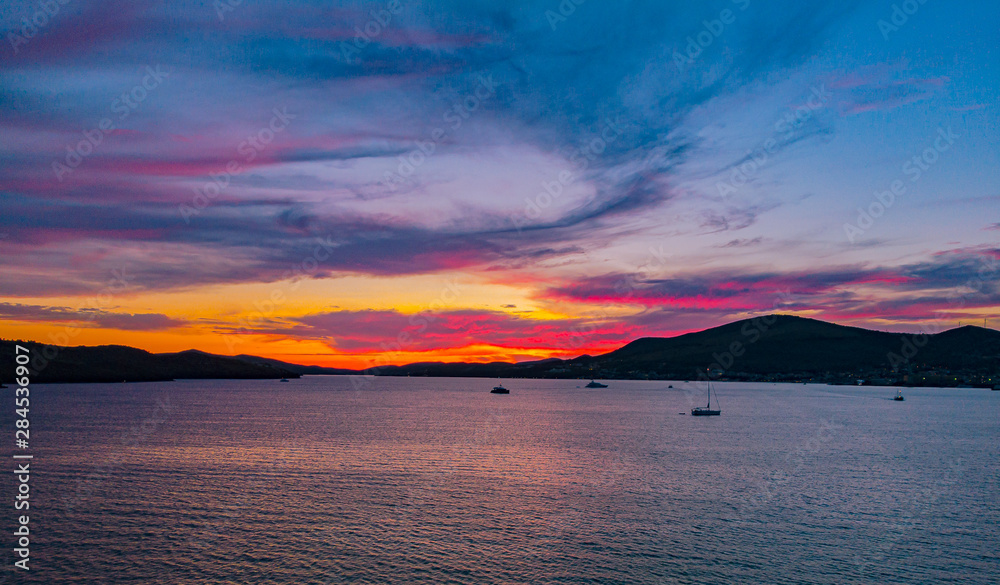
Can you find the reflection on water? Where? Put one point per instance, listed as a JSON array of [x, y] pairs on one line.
[[437, 481]]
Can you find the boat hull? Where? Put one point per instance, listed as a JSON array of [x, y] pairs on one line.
[[705, 412], [499, 391]]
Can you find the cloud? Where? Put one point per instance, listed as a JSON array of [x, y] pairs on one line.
[[734, 217], [848, 291], [743, 242], [859, 95], [313, 201], [393, 331], [89, 317]]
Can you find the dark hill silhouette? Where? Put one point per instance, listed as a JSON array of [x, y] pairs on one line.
[[964, 347], [115, 363], [772, 347], [301, 370], [768, 347], [774, 343]]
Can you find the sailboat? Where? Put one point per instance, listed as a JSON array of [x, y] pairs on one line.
[[899, 395], [706, 410]]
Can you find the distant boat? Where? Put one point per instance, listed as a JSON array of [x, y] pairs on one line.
[[594, 384], [284, 380], [499, 389], [706, 410], [899, 395]]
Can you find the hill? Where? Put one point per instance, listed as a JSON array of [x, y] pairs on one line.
[[772, 348], [767, 348], [295, 368], [770, 344], [115, 363], [783, 344]]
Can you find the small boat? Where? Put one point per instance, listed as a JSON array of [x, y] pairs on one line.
[[899, 395], [707, 410], [499, 389], [284, 380], [670, 386], [594, 384]]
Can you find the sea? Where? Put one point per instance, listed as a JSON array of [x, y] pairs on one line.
[[331, 479]]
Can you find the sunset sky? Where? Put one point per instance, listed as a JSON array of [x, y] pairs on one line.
[[414, 181]]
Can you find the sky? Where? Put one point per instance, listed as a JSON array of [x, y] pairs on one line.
[[359, 183]]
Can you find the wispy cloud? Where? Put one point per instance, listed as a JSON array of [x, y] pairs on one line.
[[589, 146], [89, 317]]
